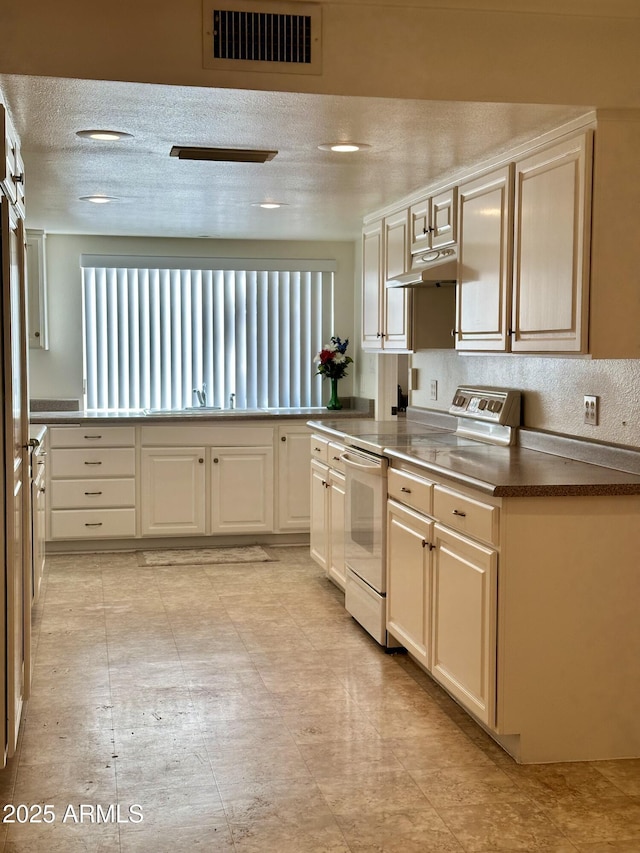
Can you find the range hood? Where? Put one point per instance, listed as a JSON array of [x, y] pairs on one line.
[[434, 267]]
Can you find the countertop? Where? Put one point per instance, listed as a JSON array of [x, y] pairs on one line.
[[517, 471], [187, 416]]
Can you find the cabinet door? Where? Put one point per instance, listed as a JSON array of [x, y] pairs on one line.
[[464, 617], [336, 563], [173, 491], [319, 513], [551, 251], [242, 489], [444, 216], [396, 300], [293, 478], [485, 226], [419, 224], [409, 538], [372, 305]]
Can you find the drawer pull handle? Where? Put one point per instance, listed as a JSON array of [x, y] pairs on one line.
[[93, 493], [405, 489], [93, 524], [337, 458], [93, 436], [316, 449], [93, 463], [459, 512]]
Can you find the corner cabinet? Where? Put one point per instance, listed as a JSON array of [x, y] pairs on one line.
[[386, 312]]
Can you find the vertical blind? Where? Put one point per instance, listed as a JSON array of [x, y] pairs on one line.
[[153, 333]]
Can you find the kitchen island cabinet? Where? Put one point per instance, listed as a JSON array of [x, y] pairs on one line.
[[533, 624]]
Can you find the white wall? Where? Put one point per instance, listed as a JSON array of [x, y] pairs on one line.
[[58, 371], [553, 389]]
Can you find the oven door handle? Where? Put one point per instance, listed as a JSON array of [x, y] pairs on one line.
[[372, 467]]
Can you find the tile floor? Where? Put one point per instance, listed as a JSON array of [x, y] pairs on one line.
[[238, 708]]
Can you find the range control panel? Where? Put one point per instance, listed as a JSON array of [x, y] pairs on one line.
[[494, 405]]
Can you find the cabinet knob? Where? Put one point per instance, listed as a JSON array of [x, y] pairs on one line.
[[459, 512], [405, 489], [18, 179], [428, 545], [283, 438]]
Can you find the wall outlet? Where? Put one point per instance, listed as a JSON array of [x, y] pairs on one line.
[[591, 409], [434, 389]]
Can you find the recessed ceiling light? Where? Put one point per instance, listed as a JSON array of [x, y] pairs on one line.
[[104, 135], [268, 205], [98, 199], [343, 147]]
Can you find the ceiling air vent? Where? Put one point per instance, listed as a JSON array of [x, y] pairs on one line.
[[223, 155], [249, 35]]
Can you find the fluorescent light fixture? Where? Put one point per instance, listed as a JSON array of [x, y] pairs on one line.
[[104, 135], [98, 199], [343, 147], [268, 205]]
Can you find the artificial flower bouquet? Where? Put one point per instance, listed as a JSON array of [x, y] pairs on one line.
[[332, 360]]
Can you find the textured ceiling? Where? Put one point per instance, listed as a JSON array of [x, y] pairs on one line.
[[413, 143]]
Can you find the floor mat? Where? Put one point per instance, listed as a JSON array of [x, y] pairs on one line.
[[204, 556]]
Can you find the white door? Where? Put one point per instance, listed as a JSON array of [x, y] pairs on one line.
[[464, 621], [173, 491], [409, 544], [242, 489], [294, 507]]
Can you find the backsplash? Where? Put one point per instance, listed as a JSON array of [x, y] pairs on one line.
[[552, 388]]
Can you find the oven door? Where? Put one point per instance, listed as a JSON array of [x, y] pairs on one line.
[[365, 528]]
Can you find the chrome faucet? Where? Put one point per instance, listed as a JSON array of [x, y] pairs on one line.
[[201, 394], [232, 401]]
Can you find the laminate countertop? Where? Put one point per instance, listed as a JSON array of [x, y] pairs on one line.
[[540, 465]]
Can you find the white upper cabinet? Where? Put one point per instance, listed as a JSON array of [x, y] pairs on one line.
[[551, 248], [484, 261], [433, 221], [385, 311]]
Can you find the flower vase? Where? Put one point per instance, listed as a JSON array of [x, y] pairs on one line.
[[334, 402]]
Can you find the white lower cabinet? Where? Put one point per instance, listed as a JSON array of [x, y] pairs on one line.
[[463, 611], [442, 586], [292, 448], [172, 491], [91, 482], [409, 546], [327, 508], [242, 490], [165, 480]]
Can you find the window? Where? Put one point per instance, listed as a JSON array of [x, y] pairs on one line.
[[156, 329]]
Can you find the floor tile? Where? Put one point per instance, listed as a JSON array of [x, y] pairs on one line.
[[242, 709]]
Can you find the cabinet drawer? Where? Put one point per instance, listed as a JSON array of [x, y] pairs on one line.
[[92, 436], [93, 524], [410, 490], [334, 452], [469, 516], [85, 494], [101, 462], [319, 448]]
